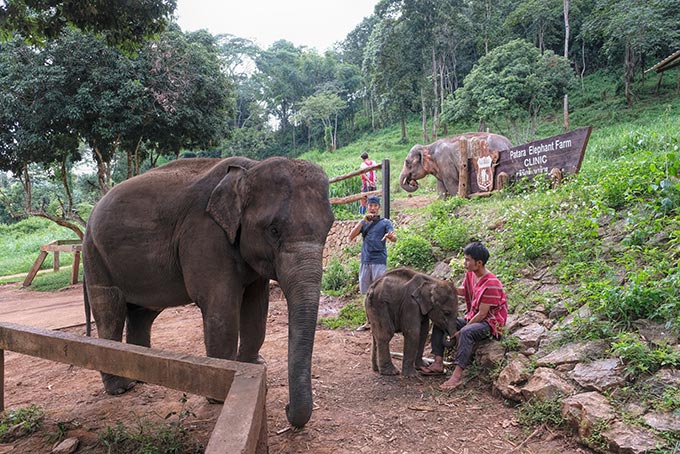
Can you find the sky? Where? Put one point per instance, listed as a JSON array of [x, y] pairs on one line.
[[316, 24]]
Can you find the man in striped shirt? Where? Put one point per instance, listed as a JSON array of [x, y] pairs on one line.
[[487, 312]]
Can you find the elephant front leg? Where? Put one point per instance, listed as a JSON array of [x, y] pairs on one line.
[[411, 346], [253, 324], [424, 331], [374, 355]]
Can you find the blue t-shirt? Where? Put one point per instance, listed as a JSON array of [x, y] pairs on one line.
[[374, 249]]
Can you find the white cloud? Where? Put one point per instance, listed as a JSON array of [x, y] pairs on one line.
[[312, 23]]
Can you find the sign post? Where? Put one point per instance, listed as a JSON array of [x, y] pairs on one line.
[[555, 156]]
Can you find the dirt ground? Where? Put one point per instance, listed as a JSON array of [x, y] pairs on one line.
[[356, 410]]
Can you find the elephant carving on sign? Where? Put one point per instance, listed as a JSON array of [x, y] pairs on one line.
[[404, 300], [213, 232], [442, 159]]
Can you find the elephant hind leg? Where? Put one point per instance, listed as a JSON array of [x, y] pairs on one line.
[[139, 321], [110, 311]]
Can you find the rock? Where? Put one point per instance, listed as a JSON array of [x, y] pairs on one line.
[[523, 320], [68, 446], [573, 353], [584, 411], [559, 310], [546, 384], [442, 270], [655, 333], [530, 335], [509, 381], [489, 353], [598, 375], [664, 377], [583, 313], [630, 439], [667, 422]]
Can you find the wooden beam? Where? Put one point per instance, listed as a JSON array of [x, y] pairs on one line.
[[242, 424], [34, 269], [354, 174], [209, 377], [354, 197]]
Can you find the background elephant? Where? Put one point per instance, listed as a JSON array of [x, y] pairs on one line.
[[404, 300], [213, 232], [442, 159]]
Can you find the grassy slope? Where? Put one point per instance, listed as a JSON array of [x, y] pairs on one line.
[[609, 238]]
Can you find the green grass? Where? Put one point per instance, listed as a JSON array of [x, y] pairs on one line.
[[19, 422], [20, 244]]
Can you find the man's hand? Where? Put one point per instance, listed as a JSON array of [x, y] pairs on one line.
[[390, 236]]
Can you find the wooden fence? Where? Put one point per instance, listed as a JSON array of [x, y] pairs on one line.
[[242, 424], [384, 192], [56, 247]]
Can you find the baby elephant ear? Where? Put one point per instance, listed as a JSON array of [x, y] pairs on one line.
[[226, 201], [421, 293]]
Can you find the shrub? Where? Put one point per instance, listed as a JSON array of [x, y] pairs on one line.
[[335, 277], [535, 412], [20, 422], [351, 315], [639, 358], [412, 251]]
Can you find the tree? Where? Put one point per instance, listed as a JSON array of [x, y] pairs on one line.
[[510, 88], [122, 23], [632, 29], [324, 107]]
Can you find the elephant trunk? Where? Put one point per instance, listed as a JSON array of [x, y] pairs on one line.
[[407, 182], [300, 280]]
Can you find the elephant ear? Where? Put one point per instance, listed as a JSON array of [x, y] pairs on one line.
[[421, 293], [427, 162], [227, 200]]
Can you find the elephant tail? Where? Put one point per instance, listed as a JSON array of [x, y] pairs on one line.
[[88, 313]]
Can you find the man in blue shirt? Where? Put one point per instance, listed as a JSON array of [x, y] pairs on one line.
[[374, 230]]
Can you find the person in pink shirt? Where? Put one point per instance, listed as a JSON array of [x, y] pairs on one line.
[[367, 180], [487, 312]]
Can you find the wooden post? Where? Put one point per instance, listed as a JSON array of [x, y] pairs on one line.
[[34, 269], [74, 269], [2, 380], [386, 187], [463, 172], [56, 261]]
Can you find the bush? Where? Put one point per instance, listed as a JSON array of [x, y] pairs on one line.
[[351, 315], [338, 278], [412, 251], [639, 358], [20, 422]]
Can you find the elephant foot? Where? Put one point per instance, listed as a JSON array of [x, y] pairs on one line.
[[389, 371], [253, 360], [410, 373], [115, 385]]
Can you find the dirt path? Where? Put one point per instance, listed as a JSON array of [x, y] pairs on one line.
[[355, 409]]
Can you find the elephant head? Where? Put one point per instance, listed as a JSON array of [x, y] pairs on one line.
[[438, 300], [278, 215], [442, 160]]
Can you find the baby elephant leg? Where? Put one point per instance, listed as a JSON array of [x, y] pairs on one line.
[[385, 365]]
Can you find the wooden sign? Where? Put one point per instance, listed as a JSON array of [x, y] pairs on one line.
[[556, 156]]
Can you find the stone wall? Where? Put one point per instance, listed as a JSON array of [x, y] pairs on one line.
[[338, 239]]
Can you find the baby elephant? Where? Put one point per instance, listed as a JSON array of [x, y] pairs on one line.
[[404, 300]]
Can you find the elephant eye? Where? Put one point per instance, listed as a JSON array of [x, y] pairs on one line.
[[274, 231]]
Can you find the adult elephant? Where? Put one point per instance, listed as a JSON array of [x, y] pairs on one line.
[[442, 159], [213, 232]]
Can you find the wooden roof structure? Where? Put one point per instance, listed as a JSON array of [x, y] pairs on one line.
[[667, 63]]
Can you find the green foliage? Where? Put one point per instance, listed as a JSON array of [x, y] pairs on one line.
[[20, 422], [639, 358], [535, 412], [596, 439], [339, 279], [351, 315], [669, 401], [444, 229], [20, 244], [411, 250], [151, 437]]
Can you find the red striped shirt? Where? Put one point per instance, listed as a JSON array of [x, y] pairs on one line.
[[487, 290]]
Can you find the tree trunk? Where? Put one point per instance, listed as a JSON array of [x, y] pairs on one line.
[[566, 56], [423, 107], [435, 88], [629, 72], [403, 128]]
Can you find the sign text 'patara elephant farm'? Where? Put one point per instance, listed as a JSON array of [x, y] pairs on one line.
[[555, 156]]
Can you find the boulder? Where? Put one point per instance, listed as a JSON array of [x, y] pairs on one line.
[[629, 439], [489, 353], [442, 270], [598, 375], [546, 384], [68, 446], [584, 411], [655, 333], [512, 377], [530, 336], [667, 422], [572, 353]]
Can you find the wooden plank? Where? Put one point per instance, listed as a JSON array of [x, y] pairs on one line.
[[55, 266], [564, 152], [34, 269], [2, 380], [463, 174], [354, 174], [61, 248], [354, 197], [210, 377], [241, 426]]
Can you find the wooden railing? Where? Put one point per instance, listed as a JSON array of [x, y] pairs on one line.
[[242, 424], [384, 192], [56, 247]]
